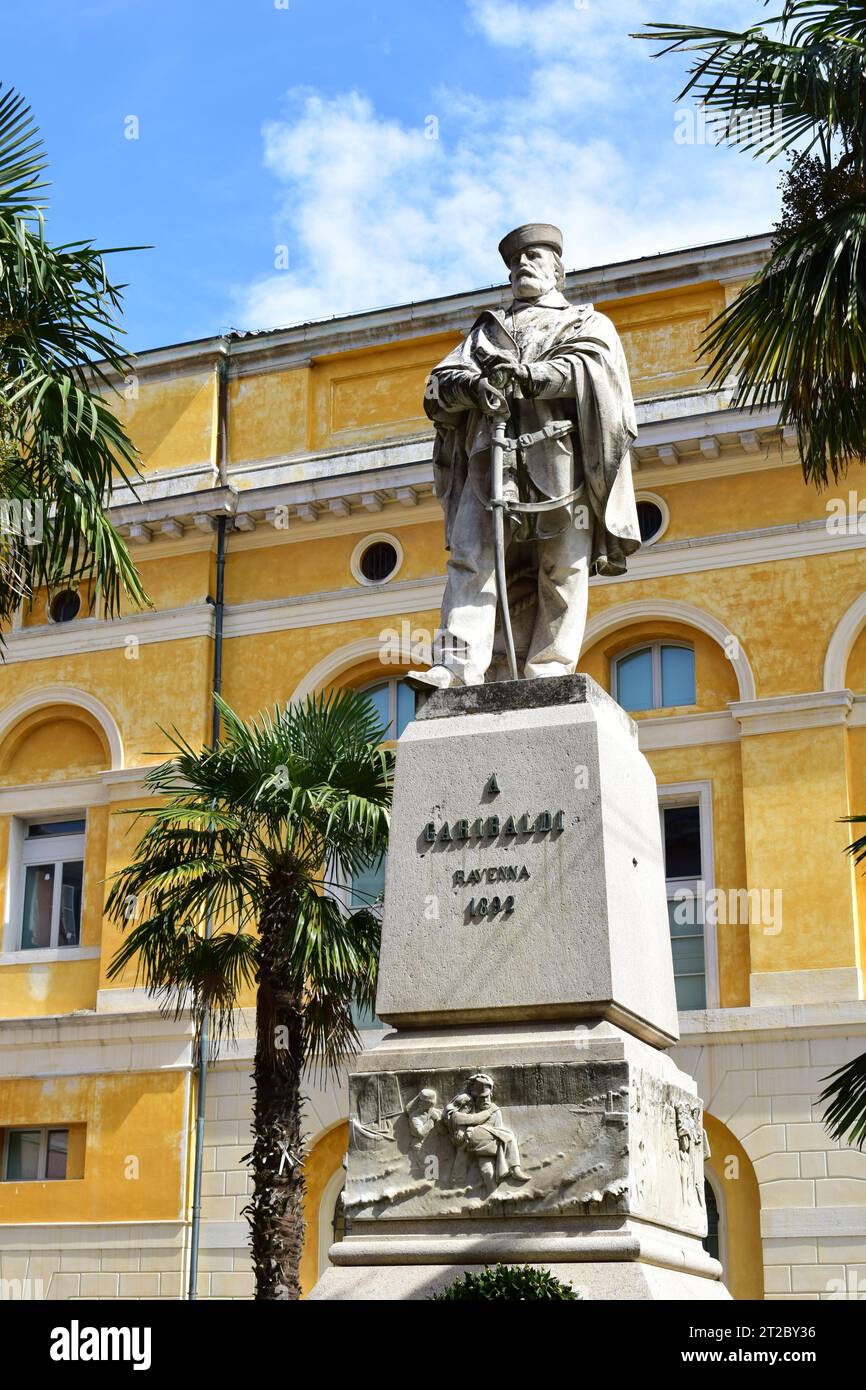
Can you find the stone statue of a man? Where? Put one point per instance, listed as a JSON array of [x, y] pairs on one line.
[[557, 373]]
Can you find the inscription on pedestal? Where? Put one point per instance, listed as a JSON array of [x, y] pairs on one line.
[[496, 831], [525, 875]]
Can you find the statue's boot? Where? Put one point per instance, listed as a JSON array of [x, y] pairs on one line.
[[437, 678], [518, 1175]]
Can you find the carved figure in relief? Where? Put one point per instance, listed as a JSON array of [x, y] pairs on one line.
[[692, 1148], [475, 1127], [422, 1115]]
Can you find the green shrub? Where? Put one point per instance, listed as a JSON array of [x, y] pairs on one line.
[[517, 1282]]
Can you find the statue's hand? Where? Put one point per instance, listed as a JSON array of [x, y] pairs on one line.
[[514, 378], [491, 400]]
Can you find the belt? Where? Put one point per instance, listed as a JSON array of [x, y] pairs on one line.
[[554, 429], [553, 504]]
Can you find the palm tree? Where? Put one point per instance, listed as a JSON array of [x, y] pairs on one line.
[[253, 837], [62, 450], [796, 335], [795, 85], [845, 1093]]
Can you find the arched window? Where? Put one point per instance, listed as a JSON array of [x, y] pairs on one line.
[[683, 851], [715, 1242], [332, 1224], [365, 890], [394, 703], [711, 1241], [656, 676]]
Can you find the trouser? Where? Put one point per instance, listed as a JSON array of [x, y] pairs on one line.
[[469, 606]]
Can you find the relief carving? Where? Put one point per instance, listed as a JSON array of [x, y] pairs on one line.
[[476, 1130], [693, 1149], [547, 1138]]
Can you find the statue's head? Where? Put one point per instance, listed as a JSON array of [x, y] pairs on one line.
[[480, 1086], [533, 254]]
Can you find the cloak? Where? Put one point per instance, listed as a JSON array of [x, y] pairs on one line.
[[595, 398]]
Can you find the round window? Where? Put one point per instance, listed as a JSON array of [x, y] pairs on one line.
[[65, 606], [378, 562], [650, 520]]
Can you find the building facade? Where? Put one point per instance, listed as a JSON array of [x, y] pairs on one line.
[[737, 640]]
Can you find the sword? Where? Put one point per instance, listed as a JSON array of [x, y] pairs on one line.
[[497, 502]]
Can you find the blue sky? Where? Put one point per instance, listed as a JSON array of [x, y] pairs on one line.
[[300, 158]]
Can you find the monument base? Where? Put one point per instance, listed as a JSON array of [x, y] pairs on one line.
[[525, 1111], [602, 1280], [608, 1192]]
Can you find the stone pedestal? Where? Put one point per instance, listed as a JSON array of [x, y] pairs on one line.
[[524, 1110]]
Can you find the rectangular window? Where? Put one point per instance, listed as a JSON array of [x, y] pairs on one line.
[[35, 1155], [681, 834], [52, 861]]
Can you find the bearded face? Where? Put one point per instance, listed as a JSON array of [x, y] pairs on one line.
[[533, 272]]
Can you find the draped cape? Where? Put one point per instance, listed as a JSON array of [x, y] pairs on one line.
[[596, 399]]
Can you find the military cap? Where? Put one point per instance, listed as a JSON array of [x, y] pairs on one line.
[[530, 234]]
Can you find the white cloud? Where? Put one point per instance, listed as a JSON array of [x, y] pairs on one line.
[[374, 212], [580, 32]]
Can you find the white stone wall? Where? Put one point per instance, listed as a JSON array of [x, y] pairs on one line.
[[148, 1260], [759, 1071], [812, 1190], [225, 1269], [120, 1260]]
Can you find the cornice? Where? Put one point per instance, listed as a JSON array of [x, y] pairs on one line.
[[98, 634], [783, 713], [352, 604], [772, 1023], [298, 344], [676, 443]]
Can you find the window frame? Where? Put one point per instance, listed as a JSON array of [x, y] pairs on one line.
[[373, 538], [342, 888], [698, 794], [392, 683], [57, 850], [43, 1131], [13, 916], [657, 501], [655, 648]]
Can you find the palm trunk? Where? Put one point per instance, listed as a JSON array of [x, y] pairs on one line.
[[275, 1211]]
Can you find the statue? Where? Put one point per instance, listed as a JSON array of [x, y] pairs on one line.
[[474, 1125], [534, 420]]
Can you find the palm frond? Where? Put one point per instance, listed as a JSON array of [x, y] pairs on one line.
[[802, 70], [796, 336], [857, 848], [61, 445], [845, 1098], [22, 157], [239, 838], [185, 970]]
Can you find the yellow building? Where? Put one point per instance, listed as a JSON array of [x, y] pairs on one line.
[[737, 639]]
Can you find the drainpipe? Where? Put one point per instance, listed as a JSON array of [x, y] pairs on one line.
[[219, 609]]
